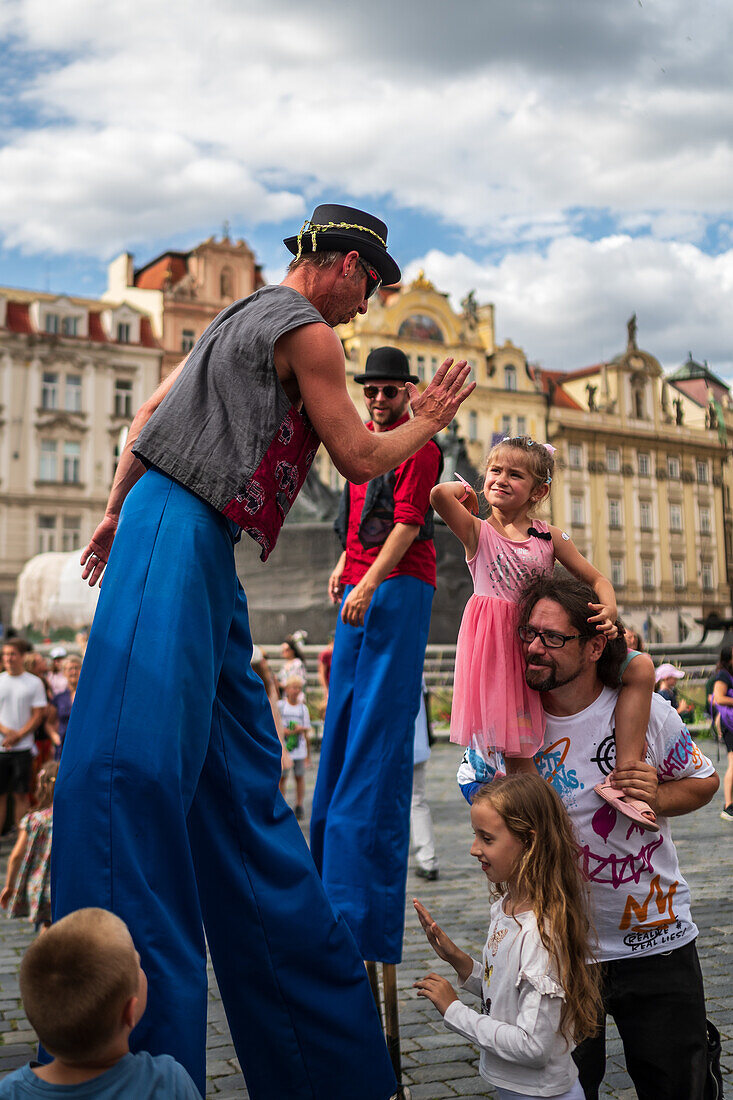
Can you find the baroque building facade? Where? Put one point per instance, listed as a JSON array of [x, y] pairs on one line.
[[72, 373], [418, 318], [643, 481], [182, 292]]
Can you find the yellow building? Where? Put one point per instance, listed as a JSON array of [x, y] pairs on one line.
[[420, 320]]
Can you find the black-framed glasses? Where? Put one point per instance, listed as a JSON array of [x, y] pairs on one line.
[[390, 391], [374, 279], [550, 639]]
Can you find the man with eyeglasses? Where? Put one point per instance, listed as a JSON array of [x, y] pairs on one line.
[[167, 809], [384, 582], [640, 903]]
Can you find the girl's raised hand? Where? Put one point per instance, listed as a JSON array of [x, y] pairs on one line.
[[443, 945], [605, 617], [438, 990]]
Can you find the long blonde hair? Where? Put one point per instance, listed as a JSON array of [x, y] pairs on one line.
[[548, 875]]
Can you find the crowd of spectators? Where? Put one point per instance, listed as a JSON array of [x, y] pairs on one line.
[[36, 695]]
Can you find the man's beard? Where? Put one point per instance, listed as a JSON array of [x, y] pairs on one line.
[[388, 417], [545, 678]]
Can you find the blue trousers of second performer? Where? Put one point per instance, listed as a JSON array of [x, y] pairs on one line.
[[360, 822], [168, 813]]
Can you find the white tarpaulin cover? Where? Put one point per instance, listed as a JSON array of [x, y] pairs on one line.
[[52, 594]]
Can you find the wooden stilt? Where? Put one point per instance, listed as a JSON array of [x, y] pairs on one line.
[[371, 969], [392, 1023]]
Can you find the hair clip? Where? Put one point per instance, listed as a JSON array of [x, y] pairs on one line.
[[548, 480]]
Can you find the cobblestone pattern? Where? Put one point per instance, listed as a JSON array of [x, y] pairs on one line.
[[437, 1063]]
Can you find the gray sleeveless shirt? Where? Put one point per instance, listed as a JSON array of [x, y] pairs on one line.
[[226, 429]]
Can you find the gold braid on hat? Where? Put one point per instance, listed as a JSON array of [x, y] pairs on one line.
[[309, 227]]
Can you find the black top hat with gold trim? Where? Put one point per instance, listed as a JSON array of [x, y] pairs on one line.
[[344, 229]]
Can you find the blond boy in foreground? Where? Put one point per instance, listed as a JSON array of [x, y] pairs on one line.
[[84, 991]]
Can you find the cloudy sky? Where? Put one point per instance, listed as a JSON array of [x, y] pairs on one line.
[[571, 160]]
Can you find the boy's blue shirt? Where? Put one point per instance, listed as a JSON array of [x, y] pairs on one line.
[[139, 1075]]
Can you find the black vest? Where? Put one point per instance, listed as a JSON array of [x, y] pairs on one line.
[[377, 515]]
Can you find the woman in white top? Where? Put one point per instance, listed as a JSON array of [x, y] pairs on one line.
[[538, 995]]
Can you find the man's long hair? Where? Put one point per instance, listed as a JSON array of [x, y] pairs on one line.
[[573, 596]]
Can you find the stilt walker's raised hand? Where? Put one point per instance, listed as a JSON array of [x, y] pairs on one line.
[[441, 400]]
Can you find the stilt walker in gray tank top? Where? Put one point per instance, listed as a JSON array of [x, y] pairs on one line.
[[167, 809]]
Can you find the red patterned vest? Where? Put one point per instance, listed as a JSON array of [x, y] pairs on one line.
[[226, 429]]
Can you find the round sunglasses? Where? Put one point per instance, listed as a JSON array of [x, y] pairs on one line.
[[389, 391]]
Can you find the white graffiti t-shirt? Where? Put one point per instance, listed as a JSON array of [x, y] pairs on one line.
[[640, 901]]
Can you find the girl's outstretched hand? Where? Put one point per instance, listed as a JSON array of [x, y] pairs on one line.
[[438, 990], [443, 945], [605, 617]]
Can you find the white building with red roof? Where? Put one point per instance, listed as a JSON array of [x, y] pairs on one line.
[[72, 373]]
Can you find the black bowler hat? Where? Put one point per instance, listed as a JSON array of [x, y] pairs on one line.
[[388, 363], [345, 229]]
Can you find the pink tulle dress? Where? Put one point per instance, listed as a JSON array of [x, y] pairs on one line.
[[492, 705]]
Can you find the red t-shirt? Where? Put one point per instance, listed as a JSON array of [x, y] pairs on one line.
[[414, 478]]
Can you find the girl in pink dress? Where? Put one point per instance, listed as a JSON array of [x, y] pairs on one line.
[[493, 708]]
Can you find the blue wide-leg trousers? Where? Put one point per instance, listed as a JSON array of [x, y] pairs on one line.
[[360, 821], [168, 813]]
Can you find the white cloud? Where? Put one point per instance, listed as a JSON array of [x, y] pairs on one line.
[[568, 307], [501, 120], [111, 187]]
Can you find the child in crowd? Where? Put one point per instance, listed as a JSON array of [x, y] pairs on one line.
[[83, 992], [667, 677], [27, 891], [493, 708], [294, 659], [538, 994], [296, 726]]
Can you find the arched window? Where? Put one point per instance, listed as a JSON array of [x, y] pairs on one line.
[[510, 377], [418, 326]]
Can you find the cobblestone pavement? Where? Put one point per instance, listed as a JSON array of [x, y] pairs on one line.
[[436, 1062]]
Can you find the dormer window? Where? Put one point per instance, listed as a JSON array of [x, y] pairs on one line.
[[70, 326], [510, 378], [51, 324], [123, 332], [638, 398], [226, 283]]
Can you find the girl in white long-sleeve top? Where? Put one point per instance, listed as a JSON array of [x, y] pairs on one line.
[[538, 994]]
